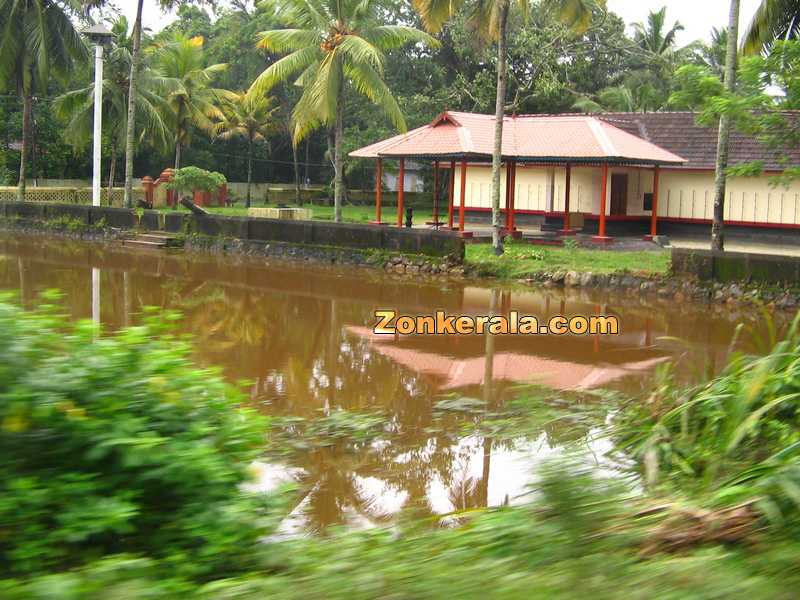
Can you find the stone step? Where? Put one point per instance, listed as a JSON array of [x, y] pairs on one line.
[[137, 243]]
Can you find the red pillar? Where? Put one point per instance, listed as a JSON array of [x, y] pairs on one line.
[[401, 192], [512, 226], [463, 196], [435, 222], [567, 230], [378, 191], [508, 196], [601, 233], [451, 194], [654, 212]]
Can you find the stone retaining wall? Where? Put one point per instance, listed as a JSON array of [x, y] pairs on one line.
[[314, 233], [725, 267]]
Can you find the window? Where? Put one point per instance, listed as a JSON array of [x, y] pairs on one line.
[[648, 202]]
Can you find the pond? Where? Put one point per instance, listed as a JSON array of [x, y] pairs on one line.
[[300, 335]]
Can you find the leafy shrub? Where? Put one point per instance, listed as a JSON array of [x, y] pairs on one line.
[[190, 179], [115, 444], [736, 436]]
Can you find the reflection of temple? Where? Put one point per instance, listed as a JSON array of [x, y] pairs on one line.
[[507, 366]]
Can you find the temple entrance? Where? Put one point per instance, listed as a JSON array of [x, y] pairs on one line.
[[619, 193]]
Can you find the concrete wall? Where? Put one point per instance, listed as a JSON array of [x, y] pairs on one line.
[[736, 266], [320, 233]]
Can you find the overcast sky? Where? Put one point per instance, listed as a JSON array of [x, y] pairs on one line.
[[697, 16]]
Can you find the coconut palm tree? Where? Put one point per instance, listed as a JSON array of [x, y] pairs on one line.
[[490, 18], [37, 40], [774, 20], [250, 117], [723, 140], [652, 37], [76, 108], [336, 44], [184, 83]]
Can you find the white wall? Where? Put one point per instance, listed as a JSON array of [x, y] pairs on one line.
[[682, 194]]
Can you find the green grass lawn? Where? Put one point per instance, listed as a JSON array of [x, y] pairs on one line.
[[350, 214], [521, 259]]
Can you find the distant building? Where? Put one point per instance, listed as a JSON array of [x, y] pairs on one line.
[[413, 178], [632, 149]]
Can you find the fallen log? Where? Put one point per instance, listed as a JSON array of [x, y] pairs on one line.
[[196, 210]]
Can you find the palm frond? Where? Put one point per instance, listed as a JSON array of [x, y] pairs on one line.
[[284, 40]]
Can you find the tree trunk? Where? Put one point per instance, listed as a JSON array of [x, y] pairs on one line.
[[178, 154], [112, 170], [130, 134], [297, 199], [27, 109], [305, 176], [338, 179], [249, 170], [723, 139], [499, 113]]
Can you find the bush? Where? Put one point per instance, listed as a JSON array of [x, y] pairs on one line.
[[735, 437], [191, 179], [113, 444]]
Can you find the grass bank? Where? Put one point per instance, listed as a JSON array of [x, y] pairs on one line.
[[521, 260], [350, 214]]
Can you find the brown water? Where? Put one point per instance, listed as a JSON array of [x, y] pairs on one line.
[[300, 335]]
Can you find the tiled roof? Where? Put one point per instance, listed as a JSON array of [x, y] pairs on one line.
[[534, 138], [679, 132]]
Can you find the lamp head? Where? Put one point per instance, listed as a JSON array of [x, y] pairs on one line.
[[99, 34]]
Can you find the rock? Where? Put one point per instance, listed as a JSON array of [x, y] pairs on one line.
[[664, 292], [396, 260], [587, 280], [735, 291], [558, 277], [679, 297], [572, 279], [647, 286], [627, 281], [719, 295]]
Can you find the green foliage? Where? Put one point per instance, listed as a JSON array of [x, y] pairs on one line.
[[115, 444], [522, 259], [190, 179], [735, 438]]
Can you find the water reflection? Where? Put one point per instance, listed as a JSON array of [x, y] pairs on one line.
[[301, 336]]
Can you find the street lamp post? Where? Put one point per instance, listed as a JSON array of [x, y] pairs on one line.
[[100, 36]]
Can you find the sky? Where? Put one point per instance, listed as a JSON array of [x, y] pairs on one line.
[[697, 16]]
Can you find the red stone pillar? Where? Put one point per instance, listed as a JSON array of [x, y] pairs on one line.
[[654, 211], [378, 191], [451, 194], [508, 197], [463, 196], [601, 233], [401, 184], [567, 230], [147, 187], [435, 222]]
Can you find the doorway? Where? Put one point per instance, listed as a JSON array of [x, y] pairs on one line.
[[619, 193]]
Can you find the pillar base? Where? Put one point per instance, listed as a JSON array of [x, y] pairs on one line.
[[602, 239], [378, 223], [566, 232], [648, 237], [465, 234]]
